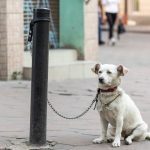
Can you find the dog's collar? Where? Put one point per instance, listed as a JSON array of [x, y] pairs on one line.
[[108, 90], [102, 90]]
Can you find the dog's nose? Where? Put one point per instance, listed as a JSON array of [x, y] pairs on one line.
[[101, 80]]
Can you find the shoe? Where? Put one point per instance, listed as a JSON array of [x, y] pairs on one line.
[[112, 41], [101, 42]]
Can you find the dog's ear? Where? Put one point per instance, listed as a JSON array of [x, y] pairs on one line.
[[96, 68], [122, 70]]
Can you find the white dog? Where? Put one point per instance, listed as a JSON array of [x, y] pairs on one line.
[[119, 115]]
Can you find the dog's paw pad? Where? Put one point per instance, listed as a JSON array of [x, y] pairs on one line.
[[99, 141], [116, 143]]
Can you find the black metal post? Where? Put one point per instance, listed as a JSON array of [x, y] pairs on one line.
[[38, 116]]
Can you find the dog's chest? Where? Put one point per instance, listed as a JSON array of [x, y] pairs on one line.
[[107, 111], [109, 115], [105, 103]]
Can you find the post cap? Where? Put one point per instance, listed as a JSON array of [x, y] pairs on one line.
[[41, 13]]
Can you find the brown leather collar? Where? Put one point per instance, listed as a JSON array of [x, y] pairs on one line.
[[108, 90]]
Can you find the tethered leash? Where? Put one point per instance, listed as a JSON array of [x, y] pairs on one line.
[[95, 100]]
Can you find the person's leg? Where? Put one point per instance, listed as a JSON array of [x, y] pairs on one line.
[[114, 17], [100, 41], [110, 25], [111, 17]]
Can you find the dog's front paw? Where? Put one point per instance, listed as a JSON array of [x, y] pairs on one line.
[[99, 140], [116, 143]]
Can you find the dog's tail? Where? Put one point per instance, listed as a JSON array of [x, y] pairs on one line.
[[148, 136]]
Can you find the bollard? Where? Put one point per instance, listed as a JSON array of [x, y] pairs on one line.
[[38, 116]]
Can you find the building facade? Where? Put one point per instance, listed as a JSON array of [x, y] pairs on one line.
[[11, 38], [137, 10], [140, 12], [139, 7], [73, 24]]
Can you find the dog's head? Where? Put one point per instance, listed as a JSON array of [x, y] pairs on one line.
[[109, 76]]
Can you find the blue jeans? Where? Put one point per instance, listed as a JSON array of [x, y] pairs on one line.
[[99, 28]]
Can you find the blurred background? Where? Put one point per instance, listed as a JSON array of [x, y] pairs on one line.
[[73, 35]]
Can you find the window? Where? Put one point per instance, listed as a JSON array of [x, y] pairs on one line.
[[29, 5]]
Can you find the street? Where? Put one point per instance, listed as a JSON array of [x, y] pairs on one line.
[[71, 97]]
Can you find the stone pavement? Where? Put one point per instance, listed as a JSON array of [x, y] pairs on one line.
[[138, 29], [71, 97]]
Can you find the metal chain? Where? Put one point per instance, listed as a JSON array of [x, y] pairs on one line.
[[75, 117]]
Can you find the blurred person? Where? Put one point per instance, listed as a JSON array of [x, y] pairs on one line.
[[111, 8], [100, 22]]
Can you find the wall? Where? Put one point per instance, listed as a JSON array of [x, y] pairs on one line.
[[11, 38], [3, 40], [91, 30], [72, 25], [145, 7]]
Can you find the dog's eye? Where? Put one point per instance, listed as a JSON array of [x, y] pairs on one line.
[[100, 71], [109, 72]]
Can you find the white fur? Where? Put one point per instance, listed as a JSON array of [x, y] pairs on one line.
[[121, 118]]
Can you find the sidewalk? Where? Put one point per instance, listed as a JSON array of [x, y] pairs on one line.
[[71, 97], [138, 29], [134, 28]]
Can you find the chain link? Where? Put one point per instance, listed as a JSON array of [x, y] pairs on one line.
[[75, 117]]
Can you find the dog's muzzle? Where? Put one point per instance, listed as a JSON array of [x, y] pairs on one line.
[[101, 80]]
